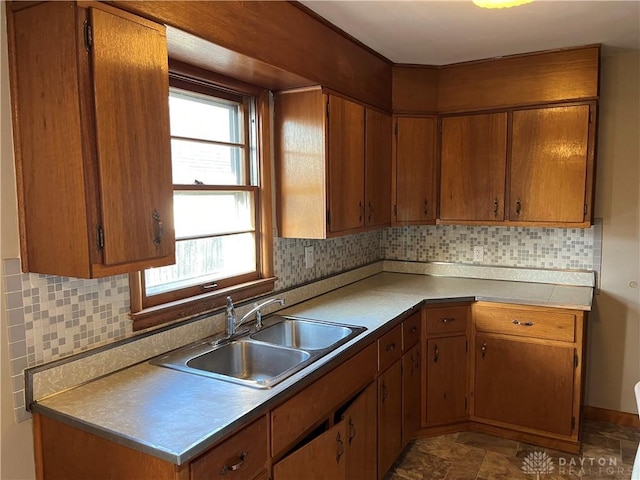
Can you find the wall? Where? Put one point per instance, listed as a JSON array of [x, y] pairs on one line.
[[614, 336]]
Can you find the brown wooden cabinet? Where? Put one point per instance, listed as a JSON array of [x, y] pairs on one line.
[[472, 168], [551, 164], [377, 168], [446, 364], [389, 417], [320, 149], [91, 134], [411, 393], [344, 451], [549, 159], [528, 369], [414, 177]]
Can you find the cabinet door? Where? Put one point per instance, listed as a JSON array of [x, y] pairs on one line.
[[446, 360], [414, 169], [377, 169], [524, 384], [473, 163], [549, 162], [131, 90], [360, 423], [411, 390], [320, 459], [389, 417], [346, 164]]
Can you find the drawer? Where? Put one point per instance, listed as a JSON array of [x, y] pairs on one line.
[[447, 319], [305, 410], [525, 321], [245, 450], [411, 331], [389, 348]]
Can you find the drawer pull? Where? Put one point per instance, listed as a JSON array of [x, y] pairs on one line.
[[483, 349], [232, 468], [448, 320], [523, 324], [436, 354], [340, 448], [391, 347]]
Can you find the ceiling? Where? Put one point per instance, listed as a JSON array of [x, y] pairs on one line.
[[443, 32]]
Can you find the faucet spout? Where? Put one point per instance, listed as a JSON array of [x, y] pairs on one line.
[[256, 310]]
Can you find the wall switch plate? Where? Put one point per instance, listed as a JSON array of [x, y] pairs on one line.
[[478, 253], [309, 261]]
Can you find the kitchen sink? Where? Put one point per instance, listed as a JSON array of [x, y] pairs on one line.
[[264, 359], [253, 362], [306, 334]]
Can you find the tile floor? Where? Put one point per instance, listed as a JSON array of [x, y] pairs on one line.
[[608, 452]]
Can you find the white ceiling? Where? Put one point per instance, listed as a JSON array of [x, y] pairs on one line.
[[442, 32]]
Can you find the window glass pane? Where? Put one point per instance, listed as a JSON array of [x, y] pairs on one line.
[[206, 163], [212, 213], [204, 260], [196, 116]]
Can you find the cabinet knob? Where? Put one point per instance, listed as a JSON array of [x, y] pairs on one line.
[[391, 347]]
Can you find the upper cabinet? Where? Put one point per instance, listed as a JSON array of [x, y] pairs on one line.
[[332, 161], [473, 165], [91, 134], [414, 170], [550, 165]]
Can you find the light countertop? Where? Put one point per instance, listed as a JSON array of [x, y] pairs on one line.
[[176, 416]]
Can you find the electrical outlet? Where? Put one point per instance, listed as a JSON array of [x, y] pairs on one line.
[[309, 261], [478, 253]]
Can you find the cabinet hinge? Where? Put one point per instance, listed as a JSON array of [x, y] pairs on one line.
[[328, 217], [88, 36], [573, 423], [100, 237]]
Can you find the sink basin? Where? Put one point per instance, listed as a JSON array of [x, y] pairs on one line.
[[250, 361], [268, 357], [305, 334]]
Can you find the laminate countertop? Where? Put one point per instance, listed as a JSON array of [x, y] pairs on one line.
[[176, 416]]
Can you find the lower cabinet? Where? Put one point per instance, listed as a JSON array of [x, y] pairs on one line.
[[389, 417], [446, 360], [411, 393], [344, 451]]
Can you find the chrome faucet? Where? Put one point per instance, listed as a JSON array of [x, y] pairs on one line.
[[233, 324]]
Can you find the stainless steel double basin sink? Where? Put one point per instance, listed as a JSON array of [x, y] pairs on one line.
[[265, 357]]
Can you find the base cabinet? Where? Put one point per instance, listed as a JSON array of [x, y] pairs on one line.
[[446, 374], [389, 417], [411, 393]]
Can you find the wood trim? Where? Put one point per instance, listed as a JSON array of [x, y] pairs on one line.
[[192, 72], [266, 194], [180, 309], [37, 446], [611, 416]]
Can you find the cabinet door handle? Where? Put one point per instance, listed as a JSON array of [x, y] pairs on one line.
[[436, 354], [426, 208], [232, 468], [385, 392], [391, 347], [483, 349], [518, 207], [361, 207], [370, 211], [495, 207], [417, 365], [448, 320], [158, 228], [523, 324], [352, 430], [340, 448]]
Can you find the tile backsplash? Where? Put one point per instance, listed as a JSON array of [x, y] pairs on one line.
[[51, 317]]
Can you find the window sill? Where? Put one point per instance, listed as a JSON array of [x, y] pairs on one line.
[[154, 316]]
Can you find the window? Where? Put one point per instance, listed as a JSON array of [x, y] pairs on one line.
[[218, 211]]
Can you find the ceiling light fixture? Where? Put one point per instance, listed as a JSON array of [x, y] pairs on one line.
[[500, 3]]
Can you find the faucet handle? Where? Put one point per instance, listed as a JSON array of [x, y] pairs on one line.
[[231, 311]]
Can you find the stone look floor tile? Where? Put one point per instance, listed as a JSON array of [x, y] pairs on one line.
[[628, 449], [488, 442], [466, 462]]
